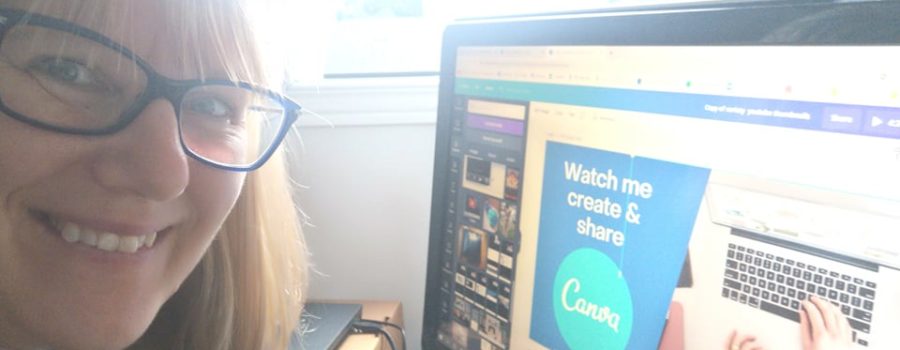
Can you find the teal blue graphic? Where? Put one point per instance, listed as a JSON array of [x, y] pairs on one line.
[[592, 303], [631, 217]]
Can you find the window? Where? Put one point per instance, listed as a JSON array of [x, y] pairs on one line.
[[377, 38], [380, 58]]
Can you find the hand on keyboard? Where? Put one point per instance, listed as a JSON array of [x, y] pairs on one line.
[[742, 342], [823, 327]]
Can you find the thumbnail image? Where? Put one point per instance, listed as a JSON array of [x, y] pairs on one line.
[[473, 206], [469, 292], [503, 310], [493, 256], [472, 247], [493, 267], [491, 215], [493, 330], [461, 310], [513, 184], [478, 170], [484, 176], [507, 261], [491, 297], [505, 293], [508, 221], [460, 334], [476, 316]]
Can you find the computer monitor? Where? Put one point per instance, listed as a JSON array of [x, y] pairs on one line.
[[580, 157]]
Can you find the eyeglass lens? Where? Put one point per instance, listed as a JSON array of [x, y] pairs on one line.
[[68, 81]]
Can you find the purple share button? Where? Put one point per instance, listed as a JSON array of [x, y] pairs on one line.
[[500, 125], [882, 122], [842, 119]]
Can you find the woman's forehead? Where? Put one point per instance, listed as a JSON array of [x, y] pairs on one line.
[[168, 34]]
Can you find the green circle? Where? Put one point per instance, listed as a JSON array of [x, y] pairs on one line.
[[592, 302]]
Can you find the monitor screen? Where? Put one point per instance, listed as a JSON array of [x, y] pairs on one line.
[[576, 177]]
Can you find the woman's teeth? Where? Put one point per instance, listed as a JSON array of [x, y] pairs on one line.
[[106, 241]]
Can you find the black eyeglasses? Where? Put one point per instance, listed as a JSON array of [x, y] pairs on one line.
[[62, 77]]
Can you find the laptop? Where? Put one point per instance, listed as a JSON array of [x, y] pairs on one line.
[[772, 245], [580, 156]]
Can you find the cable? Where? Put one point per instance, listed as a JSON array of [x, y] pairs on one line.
[[402, 331], [364, 327]]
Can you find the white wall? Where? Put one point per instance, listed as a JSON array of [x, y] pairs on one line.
[[367, 190]]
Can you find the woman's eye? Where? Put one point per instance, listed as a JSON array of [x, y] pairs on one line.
[[210, 106], [65, 70]]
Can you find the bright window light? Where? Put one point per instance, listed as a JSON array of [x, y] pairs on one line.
[[382, 38]]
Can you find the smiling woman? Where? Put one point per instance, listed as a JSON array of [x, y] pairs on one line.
[[129, 215]]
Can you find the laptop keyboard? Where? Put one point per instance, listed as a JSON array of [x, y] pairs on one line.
[[777, 285]]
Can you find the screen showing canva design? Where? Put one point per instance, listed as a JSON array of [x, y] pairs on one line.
[[580, 177]]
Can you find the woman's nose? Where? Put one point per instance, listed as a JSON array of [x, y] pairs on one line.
[[146, 158]]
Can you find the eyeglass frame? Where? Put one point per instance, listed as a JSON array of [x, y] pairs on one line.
[[158, 86]]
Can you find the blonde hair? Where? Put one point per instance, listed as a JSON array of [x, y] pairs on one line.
[[247, 290]]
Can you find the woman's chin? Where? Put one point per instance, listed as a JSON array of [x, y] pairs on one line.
[[107, 328]]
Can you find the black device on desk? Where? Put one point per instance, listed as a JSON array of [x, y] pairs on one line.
[[579, 155], [324, 326]]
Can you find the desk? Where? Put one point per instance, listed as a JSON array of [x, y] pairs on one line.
[[385, 311]]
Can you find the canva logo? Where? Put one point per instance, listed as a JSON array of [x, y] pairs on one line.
[[592, 302], [599, 313]]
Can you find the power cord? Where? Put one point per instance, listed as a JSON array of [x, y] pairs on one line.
[[361, 327], [373, 326], [402, 331]]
